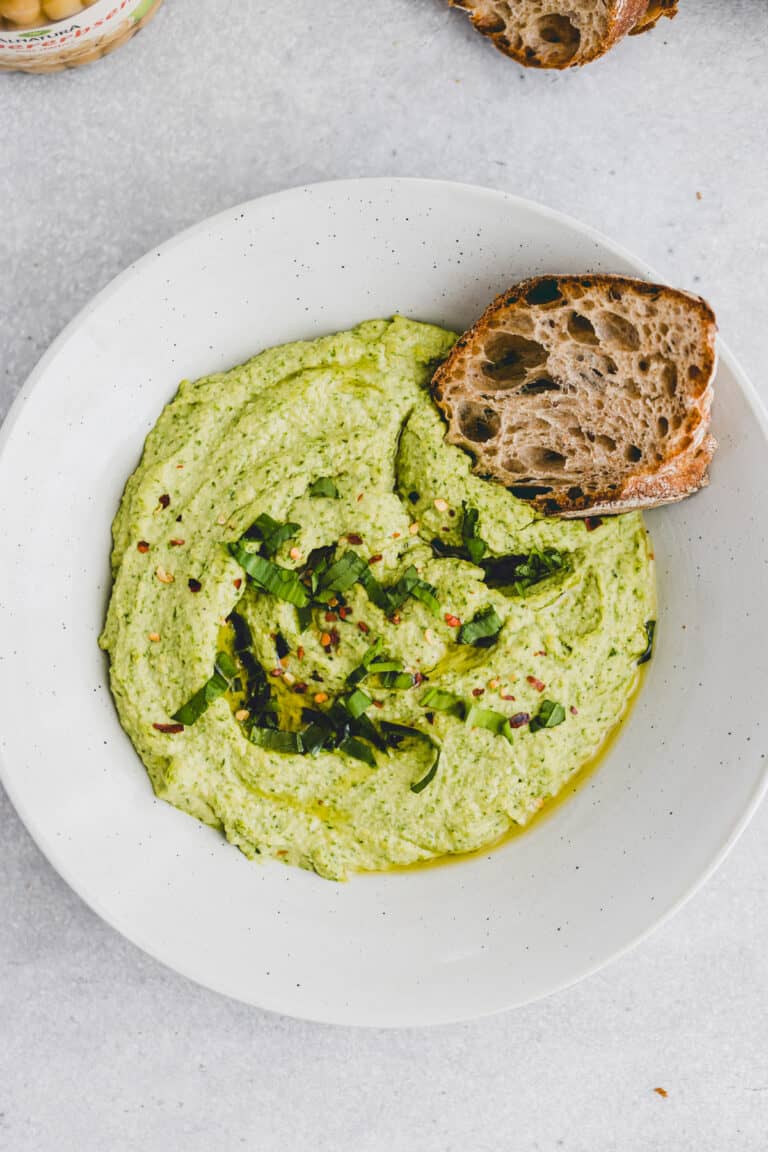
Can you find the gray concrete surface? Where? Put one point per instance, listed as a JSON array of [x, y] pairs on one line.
[[664, 146]]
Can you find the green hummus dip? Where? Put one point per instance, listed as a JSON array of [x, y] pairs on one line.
[[451, 658]]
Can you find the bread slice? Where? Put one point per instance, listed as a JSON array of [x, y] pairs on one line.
[[585, 394], [561, 33]]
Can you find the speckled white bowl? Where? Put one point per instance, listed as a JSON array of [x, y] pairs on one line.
[[412, 948]]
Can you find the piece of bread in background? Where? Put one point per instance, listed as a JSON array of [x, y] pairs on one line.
[[585, 394], [561, 33]]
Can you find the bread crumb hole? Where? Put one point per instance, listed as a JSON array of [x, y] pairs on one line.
[[581, 329], [632, 453], [669, 378], [662, 426], [561, 38], [478, 422], [545, 292], [617, 330], [511, 357]]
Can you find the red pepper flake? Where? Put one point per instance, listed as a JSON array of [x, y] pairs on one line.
[[541, 652], [169, 729], [325, 639], [176, 543], [142, 546], [573, 711], [330, 617], [418, 678], [194, 585], [520, 719], [164, 501], [592, 522], [395, 617], [300, 687], [378, 703], [503, 697], [299, 653], [478, 691], [360, 497], [277, 672], [395, 535], [661, 1092], [452, 621], [534, 681], [375, 558], [345, 611], [353, 538], [335, 638], [238, 583], [363, 626]]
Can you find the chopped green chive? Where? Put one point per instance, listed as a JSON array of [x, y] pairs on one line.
[[282, 583], [482, 630], [520, 572], [491, 721], [442, 701], [357, 702], [360, 751], [277, 741], [398, 680], [324, 486], [223, 676], [549, 715], [395, 734], [650, 629], [341, 575], [476, 547], [270, 533]]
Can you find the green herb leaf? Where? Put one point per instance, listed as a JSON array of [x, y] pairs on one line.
[[491, 721], [482, 630], [304, 617], [357, 702], [324, 486], [549, 715], [341, 575], [476, 547], [277, 741], [441, 701], [359, 673], [520, 572], [650, 629], [360, 751], [376, 592], [283, 583], [386, 664], [427, 594], [396, 734], [270, 532], [399, 680], [223, 675]]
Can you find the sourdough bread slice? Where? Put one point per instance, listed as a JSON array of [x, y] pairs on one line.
[[561, 33], [585, 394]]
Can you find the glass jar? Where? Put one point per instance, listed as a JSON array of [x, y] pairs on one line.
[[48, 35]]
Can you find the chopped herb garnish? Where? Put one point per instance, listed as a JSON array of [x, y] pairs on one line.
[[357, 702], [324, 486], [427, 594], [491, 721], [482, 630], [224, 674], [476, 547], [442, 701], [283, 583], [650, 629], [304, 616], [270, 533], [341, 575], [398, 680], [549, 715], [395, 734], [276, 740], [360, 751], [520, 572], [359, 673]]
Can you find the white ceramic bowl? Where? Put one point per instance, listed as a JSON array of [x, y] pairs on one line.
[[439, 944]]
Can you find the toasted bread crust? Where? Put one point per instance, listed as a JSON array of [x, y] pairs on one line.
[[624, 16], [678, 461]]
